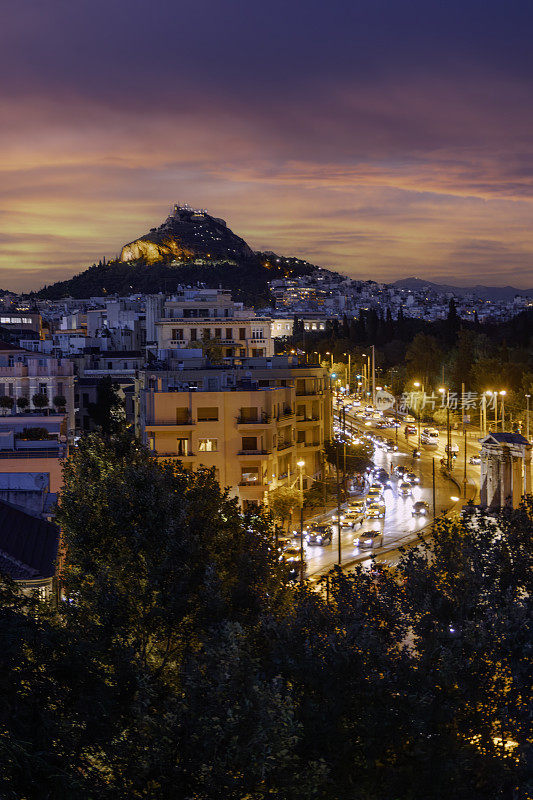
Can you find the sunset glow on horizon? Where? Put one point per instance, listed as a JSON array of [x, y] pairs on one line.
[[381, 139]]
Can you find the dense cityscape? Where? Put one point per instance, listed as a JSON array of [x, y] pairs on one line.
[[266, 503]]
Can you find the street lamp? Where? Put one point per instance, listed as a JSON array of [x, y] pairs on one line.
[[419, 410], [502, 395], [301, 465], [349, 371], [445, 391], [527, 416]]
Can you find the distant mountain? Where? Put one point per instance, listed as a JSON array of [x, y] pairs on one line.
[[190, 246], [483, 292]]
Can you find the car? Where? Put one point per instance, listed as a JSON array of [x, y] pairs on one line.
[[399, 471], [420, 509], [454, 448], [375, 509], [292, 557], [405, 489], [376, 485], [368, 540], [373, 495], [430, 436], [354, 517], [476, 460], [409, 418], [319, 534], [411, 477], [357, 505], [391, 445], [409, 429]]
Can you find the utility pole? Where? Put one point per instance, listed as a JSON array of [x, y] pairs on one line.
[[464, 472], [373, 375], [339, 561], [301, 465], [448, 436], [434, 492]]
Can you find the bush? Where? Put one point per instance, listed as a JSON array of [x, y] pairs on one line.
[[22, 403], [40, 400], [6, 402], [59, 401], [34, 434]]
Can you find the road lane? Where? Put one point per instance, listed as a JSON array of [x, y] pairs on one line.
[[399, 525]]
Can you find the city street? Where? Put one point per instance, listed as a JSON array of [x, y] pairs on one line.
[[399, 526]]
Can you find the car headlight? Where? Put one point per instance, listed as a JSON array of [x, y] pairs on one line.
[[319, 539], [422, 510], [368, 541]]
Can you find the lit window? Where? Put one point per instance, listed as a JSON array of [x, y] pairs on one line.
[[207, 445]]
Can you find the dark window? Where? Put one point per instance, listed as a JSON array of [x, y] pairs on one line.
[[194, 333], [229, 333], [249, 442], [242, 333], [208, 414]]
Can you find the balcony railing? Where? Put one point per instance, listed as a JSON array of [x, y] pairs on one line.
[[257, 484], [303, 418], [263, 419], [308, 392], [285, 445], [309, 444], [254, 452]]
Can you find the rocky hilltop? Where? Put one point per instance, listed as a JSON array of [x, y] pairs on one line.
[[188, 235], [190, 246]]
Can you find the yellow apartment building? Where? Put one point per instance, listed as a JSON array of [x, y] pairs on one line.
[[253, 429]]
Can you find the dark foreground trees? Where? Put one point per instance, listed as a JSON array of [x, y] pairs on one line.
[[184, 665]]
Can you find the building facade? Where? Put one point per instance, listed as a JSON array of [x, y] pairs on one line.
[[252, 423]]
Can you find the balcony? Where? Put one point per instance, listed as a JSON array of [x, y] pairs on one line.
[[309, 444], [254, 452], [262, 419], [285, 445], [308, 392], [253, 484], [168, 423], [303, 419]]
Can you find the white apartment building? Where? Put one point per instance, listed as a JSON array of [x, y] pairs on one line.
[[25, 374], [201, 315]]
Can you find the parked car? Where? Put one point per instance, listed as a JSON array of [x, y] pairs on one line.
[[420, 509], [319, 534], [476, 460], [368, 539]]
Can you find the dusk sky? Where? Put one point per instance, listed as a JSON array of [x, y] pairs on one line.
[[383, 138]]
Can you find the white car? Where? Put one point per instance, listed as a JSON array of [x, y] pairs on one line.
[[405, 489]]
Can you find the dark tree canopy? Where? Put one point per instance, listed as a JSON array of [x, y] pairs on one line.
[[182, 663]]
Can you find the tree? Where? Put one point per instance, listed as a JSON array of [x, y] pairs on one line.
[[6, 402], [423, 358], [282, 501], [22, 403], [358, 456], [60, 401], [40, 400], [108, 411]]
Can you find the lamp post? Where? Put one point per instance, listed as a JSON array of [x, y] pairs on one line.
[[446, 391], [301, 465], [527, 416], [349, 372], [502, 395], [419, 410]]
